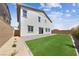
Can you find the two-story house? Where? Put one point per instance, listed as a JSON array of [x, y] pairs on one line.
[[32, 21]]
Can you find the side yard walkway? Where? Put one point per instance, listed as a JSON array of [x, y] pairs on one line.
[[20, 50]]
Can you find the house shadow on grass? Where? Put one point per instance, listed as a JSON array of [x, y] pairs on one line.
[[69, 45]]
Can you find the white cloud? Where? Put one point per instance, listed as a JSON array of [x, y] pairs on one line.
[[68, 15], [60, 21], [54, 5], [42, 4], [57, 19], [73, 4], [48, 6], [55, 15], [46, 9], [73, 10], [67, 11]]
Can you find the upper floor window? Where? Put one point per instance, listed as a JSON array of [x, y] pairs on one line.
[[39, 19], [24, 13]]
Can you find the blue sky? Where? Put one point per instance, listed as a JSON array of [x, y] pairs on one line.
[[63, 15]]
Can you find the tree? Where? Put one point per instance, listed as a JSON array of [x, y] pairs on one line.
[[76, 32]]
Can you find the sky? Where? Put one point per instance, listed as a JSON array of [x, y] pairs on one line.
[[64, 16]]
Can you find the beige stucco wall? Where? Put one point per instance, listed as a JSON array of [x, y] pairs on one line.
[[6, 32]]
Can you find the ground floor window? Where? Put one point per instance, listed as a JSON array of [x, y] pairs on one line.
[[41, 30], [30, 28], [47, 29]]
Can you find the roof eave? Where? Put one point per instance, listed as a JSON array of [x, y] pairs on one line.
[[20, 5]]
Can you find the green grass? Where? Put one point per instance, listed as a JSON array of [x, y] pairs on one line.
[[55, 45]]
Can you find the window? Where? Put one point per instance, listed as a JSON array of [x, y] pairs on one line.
[[39, 19], [49, 30], [24, 13], [30, 28], [45, 21], [46, 29]]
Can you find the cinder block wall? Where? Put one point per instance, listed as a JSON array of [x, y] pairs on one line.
[[6, 32]]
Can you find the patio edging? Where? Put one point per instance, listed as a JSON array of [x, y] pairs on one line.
[[74, 45]]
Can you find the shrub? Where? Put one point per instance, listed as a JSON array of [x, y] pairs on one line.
[[76, 32], [14, 45]]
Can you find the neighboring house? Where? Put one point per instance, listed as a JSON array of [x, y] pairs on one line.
[[56, 31], [32, 21], [6, 31]]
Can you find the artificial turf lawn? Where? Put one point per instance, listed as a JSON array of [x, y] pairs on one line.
[[55, 45]]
